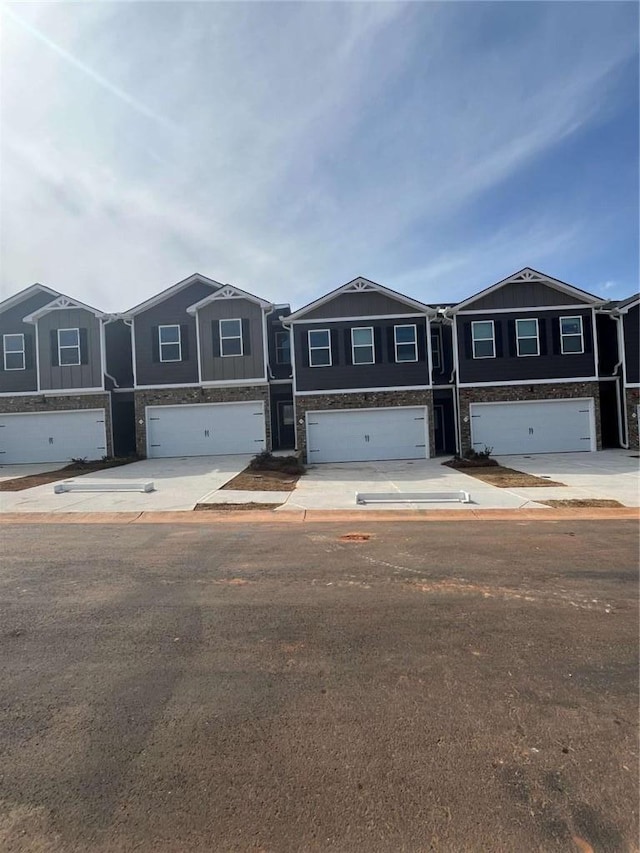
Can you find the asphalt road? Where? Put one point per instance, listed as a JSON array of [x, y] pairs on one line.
[[462, 686]]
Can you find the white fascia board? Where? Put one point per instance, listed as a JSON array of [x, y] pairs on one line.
[[63, 303], [261, 380], [364, 390], [367, 286], [361, 319], [565, 381], [527, 310], [226, 292], [633, 304], [54, 392], [535, 276], [10, 301], [167, 292]]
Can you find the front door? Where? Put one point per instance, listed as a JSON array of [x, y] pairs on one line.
[[286, 431], [438, 428]]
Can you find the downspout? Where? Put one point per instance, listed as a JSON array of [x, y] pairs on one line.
[[104, 343], [620, 399]]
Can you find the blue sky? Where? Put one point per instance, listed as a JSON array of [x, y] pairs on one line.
[[289, 147]]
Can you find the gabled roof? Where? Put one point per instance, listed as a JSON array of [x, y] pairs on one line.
[[529, 275], [169, 291], [624, 306], [360, 285], [227, 291], [25, 294], [62, 303]]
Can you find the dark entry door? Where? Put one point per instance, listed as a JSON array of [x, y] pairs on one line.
[[286, 426]]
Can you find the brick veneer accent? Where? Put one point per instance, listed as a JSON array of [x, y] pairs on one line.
[[363, 400], [177, 396], [61, 403], [633, 400], [511, 393]]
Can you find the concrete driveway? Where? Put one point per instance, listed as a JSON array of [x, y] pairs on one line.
[[179, 485]]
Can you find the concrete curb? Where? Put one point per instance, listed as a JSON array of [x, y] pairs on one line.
[[321, 516]]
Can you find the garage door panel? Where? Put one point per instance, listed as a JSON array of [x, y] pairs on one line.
[[544, 426], [208, 429], [367, 435], [52, 436]]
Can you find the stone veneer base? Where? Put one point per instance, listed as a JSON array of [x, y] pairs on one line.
[[181, 396], [361, 400], [44, 402], [513, 393], [633, 401]]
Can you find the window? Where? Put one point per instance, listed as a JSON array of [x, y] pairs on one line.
[[483, 337], [362, 346], [231, 337], [68, 346], [436, 349], [13, 346], [283, 348], [405, 339], [170, 343], [320, 348], [571, 338], [527, 340]]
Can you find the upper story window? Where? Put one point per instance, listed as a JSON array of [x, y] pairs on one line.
[[319, 348], [170, 343], [483, 337], [527, 337], [283, 348], [571, 336], [436, 349], [231, 338], [362, 345], [68, 346], [405, 340], [13, 347]]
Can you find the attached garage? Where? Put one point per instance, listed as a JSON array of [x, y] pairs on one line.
[[367, 435], [52, 436], [205, 429], [540, 426]]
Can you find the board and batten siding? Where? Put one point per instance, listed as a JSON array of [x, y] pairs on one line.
[[361, 303], [508, 366], [171, 311], [632, 345], [250, 365], [11, 323], [342, 374], [68, 377], [526, 294]]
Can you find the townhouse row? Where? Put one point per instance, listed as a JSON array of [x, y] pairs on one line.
[[527, 365]]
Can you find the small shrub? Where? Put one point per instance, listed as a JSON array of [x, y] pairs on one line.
[[78, 462], [266, 461]]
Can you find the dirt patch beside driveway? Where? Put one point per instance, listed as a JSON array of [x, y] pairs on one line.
[[262, 481], [18, 484], [506, 478]]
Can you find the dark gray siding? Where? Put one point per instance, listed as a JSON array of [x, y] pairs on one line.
[[173, 310], [631, 345], [248, 366], [118, 345], [508, 367], [85, 375], [277, 371], [528, 294], [385, 373], [15, 381], [364, 303], [607, 328]]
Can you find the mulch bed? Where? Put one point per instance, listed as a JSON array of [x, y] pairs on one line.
[[506, 478], [234, 507], [263, 481], [20, 483], [579, 502]]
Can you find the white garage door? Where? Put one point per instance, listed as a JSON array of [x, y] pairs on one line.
[[52, 436], [544, 426], [205, 429], [361, 435]]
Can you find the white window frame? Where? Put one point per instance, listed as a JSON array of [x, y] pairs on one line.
[[371, 346], [69, 346], [437, 333], [564, 335], [170, 343], [478, 340], [528, 337], [413, 343], [6, 352], [287, 337], [224, 338], [324, 347]]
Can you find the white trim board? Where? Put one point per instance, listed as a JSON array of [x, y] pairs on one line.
[[530, 309], [19, 297], [572, 380], [262, 380], [166, 293], [365, 391], [53, 392], [360, 319]]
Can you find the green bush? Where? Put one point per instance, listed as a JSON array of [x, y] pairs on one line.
[[266, 461]]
